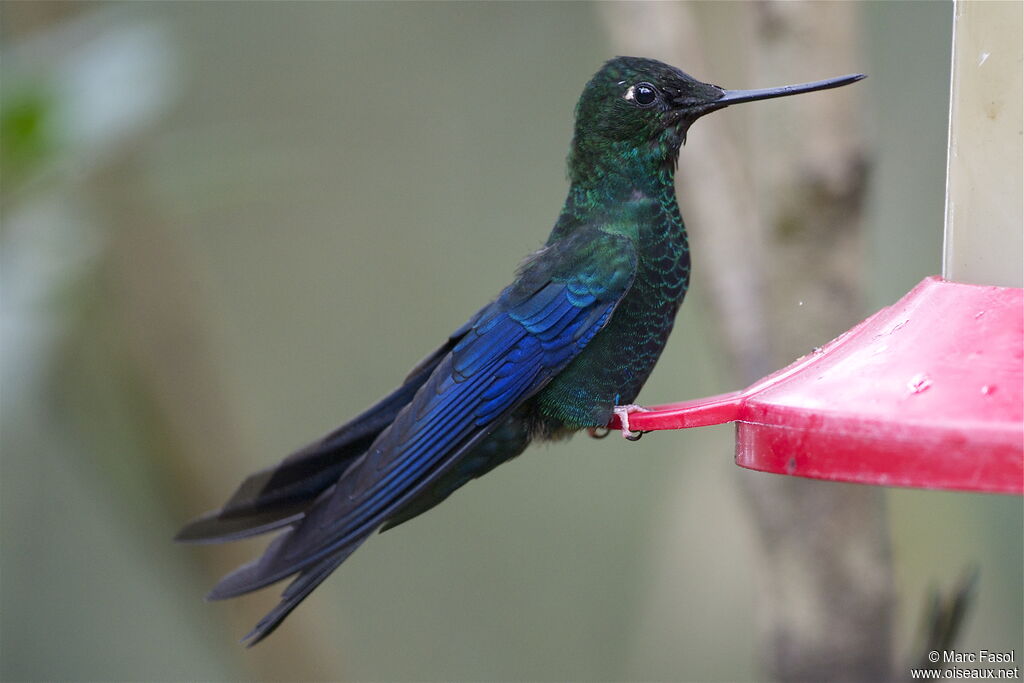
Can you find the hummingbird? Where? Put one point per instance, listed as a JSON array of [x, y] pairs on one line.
[[564, 348]]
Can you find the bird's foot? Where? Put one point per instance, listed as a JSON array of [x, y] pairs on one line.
[[623, 413], [598, 432]]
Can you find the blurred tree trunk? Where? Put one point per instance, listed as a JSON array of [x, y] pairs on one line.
[[166, 343], [777, 240], [131, 380]]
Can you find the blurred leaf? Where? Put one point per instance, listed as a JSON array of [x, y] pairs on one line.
[[27, 135]]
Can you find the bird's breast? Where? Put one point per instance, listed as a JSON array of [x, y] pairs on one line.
[[616, 363]]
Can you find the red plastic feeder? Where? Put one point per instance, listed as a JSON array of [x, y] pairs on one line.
[[926, 393]]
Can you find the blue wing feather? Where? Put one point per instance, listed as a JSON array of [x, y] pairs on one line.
[[562, 297]]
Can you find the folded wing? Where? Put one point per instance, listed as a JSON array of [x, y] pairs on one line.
[[561, 298], [279, 496]]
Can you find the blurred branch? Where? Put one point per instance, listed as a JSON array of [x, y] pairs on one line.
[[944, 618], [128, 370], [167, 345], [777, 242]]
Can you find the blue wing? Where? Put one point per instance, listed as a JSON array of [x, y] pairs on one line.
[[279, 496], [561, 298]]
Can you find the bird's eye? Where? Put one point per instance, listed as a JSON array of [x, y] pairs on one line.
[[644, 94]]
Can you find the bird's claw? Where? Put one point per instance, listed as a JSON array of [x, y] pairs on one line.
[[598, 432], [623, 413]]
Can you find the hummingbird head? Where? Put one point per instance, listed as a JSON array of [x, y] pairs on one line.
[[636, 100], [641, 109]]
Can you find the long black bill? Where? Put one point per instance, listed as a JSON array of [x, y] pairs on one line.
[[737, 96]]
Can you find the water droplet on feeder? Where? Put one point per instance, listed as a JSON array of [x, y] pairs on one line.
[[919, 383]]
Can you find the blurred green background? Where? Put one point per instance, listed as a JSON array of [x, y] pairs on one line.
[[228, 227]]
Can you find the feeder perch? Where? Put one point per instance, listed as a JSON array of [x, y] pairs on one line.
[[925, 393]]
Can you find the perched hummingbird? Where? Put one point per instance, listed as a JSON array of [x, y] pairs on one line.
[[564, 347]]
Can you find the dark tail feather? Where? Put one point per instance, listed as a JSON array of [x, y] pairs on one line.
[[306, 546], [281, 496], [296, 592], [278, 496], [213, 528], [253, 575]]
